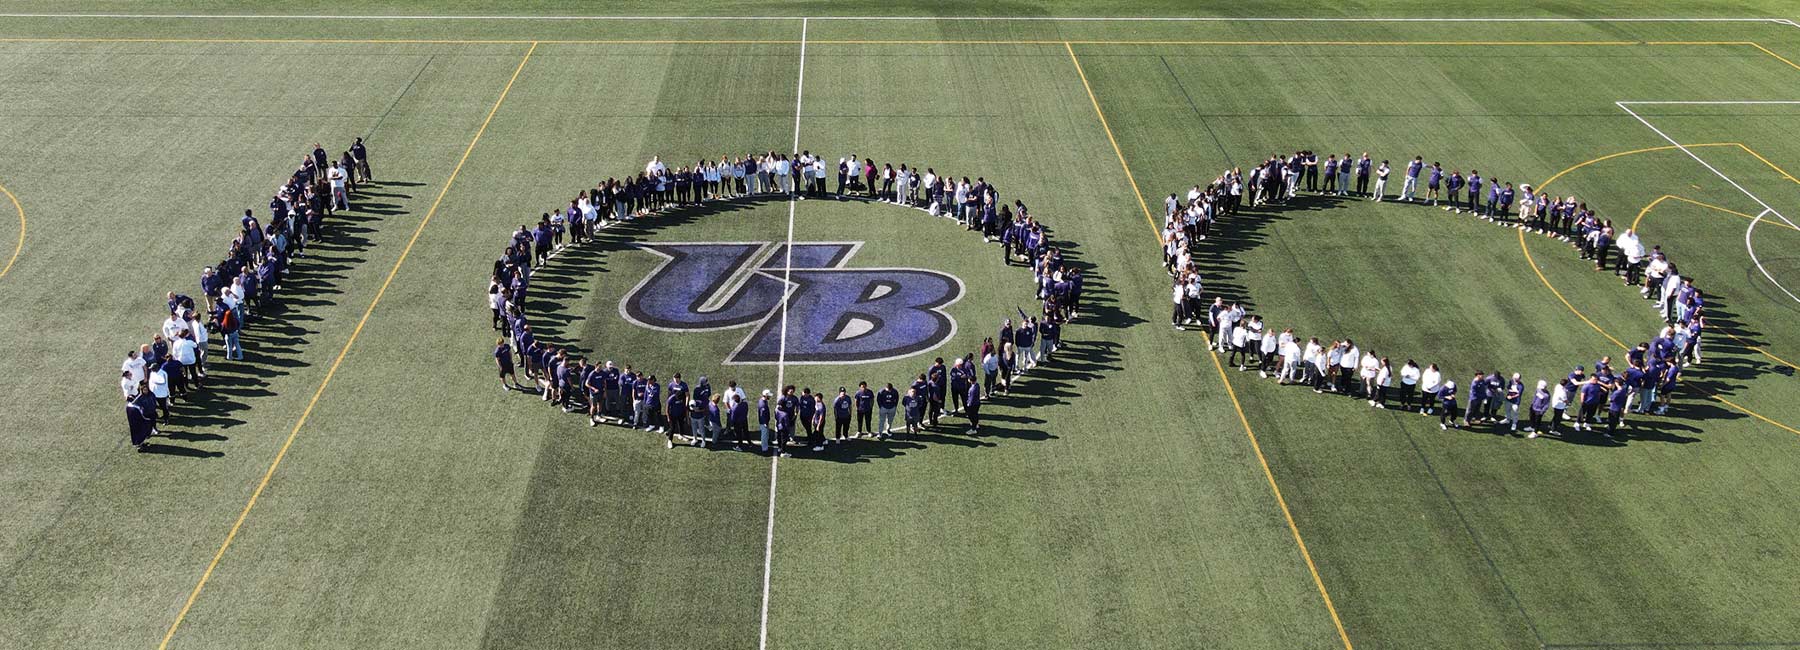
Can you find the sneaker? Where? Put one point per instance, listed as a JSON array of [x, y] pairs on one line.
[[819, 448], [593, 422], [1529, 434], [1443, 427], [669, 444], [1379, 405], [1263, 373]]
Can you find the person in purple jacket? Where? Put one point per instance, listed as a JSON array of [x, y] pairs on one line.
[[1540, 402], [1592, 395], [1615, 407], [1447, 398]]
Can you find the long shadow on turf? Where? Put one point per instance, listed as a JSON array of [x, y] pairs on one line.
[[277, 339], [1057, 380]]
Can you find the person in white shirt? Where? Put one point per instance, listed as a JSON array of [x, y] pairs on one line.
[[1409, 384], [1270, 347], [172, 326], [182, 348], [1290, 359], [1240, 341], [198, 329], [1319, 358], [1381, 174], [1429, 381], [1347, 367], [133, 366], [1384, 377], [159, 388], [1371, 368], [1631, 256], [1179, 317], [1334, 357], [656, 166], [127, 385], [340, 198], [1653, 276]]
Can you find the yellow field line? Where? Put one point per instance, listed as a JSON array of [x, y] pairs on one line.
[[332, 372], [1778, 56], [1154, 229], [1646, 211], [20, 246], [1565, 301], [1255, 446]]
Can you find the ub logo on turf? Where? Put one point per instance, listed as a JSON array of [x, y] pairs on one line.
[[834, 314]]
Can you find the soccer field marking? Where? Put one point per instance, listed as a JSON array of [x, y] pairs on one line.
[[1767, 209], [1532, 262], [787, 270], [335, 363], [1255, 446], [1670, 197], [20, 246], [1199, 19]]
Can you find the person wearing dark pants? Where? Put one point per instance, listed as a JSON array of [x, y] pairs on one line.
[[972, 408], [865, 407], [840, 416]]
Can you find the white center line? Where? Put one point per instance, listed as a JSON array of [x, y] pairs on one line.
[[787, 269]]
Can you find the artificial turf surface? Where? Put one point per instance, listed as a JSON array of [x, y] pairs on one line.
[[1117, 501]]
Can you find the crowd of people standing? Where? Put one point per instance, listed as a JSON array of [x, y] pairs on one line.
[[1649, 378], [704, 415], [245, 282]]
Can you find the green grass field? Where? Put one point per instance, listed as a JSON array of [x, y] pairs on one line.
[[359, 482]]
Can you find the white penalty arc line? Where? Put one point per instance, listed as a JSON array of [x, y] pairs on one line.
[[1751, 249], [1073, 19], [1767, 209], [762, 635]]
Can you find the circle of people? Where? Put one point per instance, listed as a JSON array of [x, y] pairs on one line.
[[1584, 399], [704, 416], [173, 363]]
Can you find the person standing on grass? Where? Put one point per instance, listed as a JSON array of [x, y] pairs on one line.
[[936, 379], [340, 194], [1478, 397], [1515, 391], [1381, 176], [503, 357], [915, 410], [1593, 395], [1432, 182], [840, 416], [784, 420], [972, 408], [360, 152], [1409, 385], [1363, 166], [763, 414], [1540, 402], [1496, 393], [739, 421], [158, 385], [1429, 382], [1475, 183], [886, 400], [865, 407], [1446, 398], [1348, 364], [1409, 185], [1344, 166], [1453, 186], [1368, 370], [1331, 174], [1617, 398], [1384, 377]]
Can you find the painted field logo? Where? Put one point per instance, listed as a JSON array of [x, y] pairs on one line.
[[834, 314]]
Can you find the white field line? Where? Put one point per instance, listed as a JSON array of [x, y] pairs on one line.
[[1748, 102], [1767, 209], [787, 269], [1073, 19], [1751, 248]]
